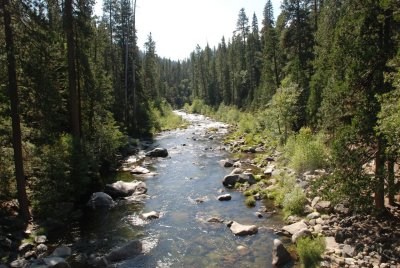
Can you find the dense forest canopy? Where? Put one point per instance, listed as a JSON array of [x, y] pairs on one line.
[[74, 87]]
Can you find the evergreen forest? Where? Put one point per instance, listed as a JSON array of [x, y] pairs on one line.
[[319, 83]]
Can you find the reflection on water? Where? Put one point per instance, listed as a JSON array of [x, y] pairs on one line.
[[182, 237]]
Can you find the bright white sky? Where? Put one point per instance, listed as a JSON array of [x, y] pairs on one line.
[[177, 26]]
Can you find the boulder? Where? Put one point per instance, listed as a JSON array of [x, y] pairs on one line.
[[323, 207], [331, 243], [295, 227], [25, 247], [56, 262], [226, 163], [241, 230], [157, 152], [123, 189], [232, 179], [140, 170], [280, 255], [348, 251], [151, 215], [41, 248], [341, 209], [100, 200], [19, 263], [62, 252], [128, 251], [225, 197], [313, 216], [300, 234]]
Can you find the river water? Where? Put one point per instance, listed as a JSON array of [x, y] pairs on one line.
[[181, 237]]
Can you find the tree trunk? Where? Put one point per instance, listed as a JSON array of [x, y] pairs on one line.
[[134, 66], [74, 101], [16, 127], [380, 176], [391, 186]]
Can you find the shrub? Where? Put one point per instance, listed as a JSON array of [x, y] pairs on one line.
[[250, 201], [247, 193], [306, 151], [294, 201], [310, 250]]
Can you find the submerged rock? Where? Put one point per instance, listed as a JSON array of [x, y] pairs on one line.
[[128, 251], [151, 215], [56, 262], [123, 189], [215, 220], [280, 255], [100, 200], [157, 152]]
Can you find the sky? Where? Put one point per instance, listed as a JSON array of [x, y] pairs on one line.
[[177, 26]]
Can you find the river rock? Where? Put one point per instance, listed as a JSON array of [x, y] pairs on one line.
[[56, 262], [130, 250], [315, 201], [232, 179], [323, 207], [242, 250], [295, 227], [226, 163], [348, 251], [331, 243], [300, 234], [215, 220], [237, 171], [280, 255], [225, 197], [25, 247], [40, 239], [341, 209], [140, 170], [41, 248], [151, 215], [157, 152], [241, 230], [123, 189], [100, 200], [62, 252], [19, 263], [313, 216], [268, 171]]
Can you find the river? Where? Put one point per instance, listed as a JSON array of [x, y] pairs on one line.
[[181, 237]]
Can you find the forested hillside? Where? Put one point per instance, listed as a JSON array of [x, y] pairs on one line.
[[78, 87], [329, 67]]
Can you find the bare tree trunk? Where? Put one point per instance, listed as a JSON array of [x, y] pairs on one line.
[[14, 101], [134, 66], [74, 100], [380, 176], [391, 186]]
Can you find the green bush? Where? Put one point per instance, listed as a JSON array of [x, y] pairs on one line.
[[294, 201], [164, 117], [310, 251], [306, 151], [250, 201], [247, 193]]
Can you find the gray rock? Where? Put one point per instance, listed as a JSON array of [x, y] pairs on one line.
[[323, 207], [259, 215], [124, 189], [308, 209], [348, 251], [157, 152], [225, 197], [140, 170], [268, 171], [25, 247], [151, 215], [215, 220], [313, 216], [100, 200], [315, 201], [318, 228], [18, 263], [301, 234], [295, 227], [226, 163], [40, 239], [232, 179], [280, 255], [237, 171], [241, 230], [56, 262], [341, 209], [30, 254], [130, 250], [331, 243], [62, 252], [41, 248]]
